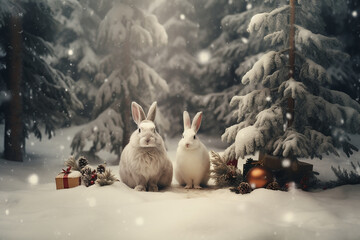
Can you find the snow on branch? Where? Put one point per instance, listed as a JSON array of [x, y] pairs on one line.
[[247, 64], [336, 115], [337, 97], [105, 132], [320, 143], [144, 29], [263, 67], [270, 118], [89, 62], [229, 152], [230, 132], [112, 86], [235, 49], [141, 36], [306, 37], [314, 71], [111, 29], [294, 89], [237, 22], [156, 30], [248, 140], [148, 77], [292, 143], [275, 38], [253, 101], [274, 20]]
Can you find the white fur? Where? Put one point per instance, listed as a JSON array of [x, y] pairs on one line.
[[192, 157], [144, 164]]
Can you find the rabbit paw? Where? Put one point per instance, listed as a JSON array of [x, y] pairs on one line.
[[153, 188], [140, 188], [197, 187], [188, 186]]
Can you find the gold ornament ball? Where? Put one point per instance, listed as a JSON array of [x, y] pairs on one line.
[[259, 177]]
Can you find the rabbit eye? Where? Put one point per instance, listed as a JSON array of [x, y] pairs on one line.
[[194, 136], [139, 130]]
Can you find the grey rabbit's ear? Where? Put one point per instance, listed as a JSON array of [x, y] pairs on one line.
[[196, 122], [138, 113], [152, 112], [186, 118]]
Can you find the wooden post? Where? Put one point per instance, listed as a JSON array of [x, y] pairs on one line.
[[14, 144], [291, 102]]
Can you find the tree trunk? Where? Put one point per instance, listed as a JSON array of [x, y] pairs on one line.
[[14, 143], [126, 51], [291, 102]]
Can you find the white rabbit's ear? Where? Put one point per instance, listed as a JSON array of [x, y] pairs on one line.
[[186, 118], [152, 112], [138, 113], [196, 122]]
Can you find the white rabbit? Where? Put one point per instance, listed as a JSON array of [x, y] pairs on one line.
[[192, 157], [144, 164]]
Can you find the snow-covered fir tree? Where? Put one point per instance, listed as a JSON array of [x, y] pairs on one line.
[[124, 33], [344, 24], [76, 47], [209, 15], [266, 119], [40, 96], [176, 62], [233, 52]]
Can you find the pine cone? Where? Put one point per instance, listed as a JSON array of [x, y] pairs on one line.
[[89, 176], [244, 188], [273, 186], [82, 162], [101, 168], [86, 170]]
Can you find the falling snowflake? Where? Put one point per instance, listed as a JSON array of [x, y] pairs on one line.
[[248, 6], [62, 147], [182, 17], [70, 52], [288, 116], [354, 13], [7, 212], [204, 56], [33, 179], [139, 221], [286, 163], [244, 40], [268, 98]]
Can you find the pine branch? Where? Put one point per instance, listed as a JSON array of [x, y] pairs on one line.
[[106, 178], [223, 174], [345, 177], [71, 162]]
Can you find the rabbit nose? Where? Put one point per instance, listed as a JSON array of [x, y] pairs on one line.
[[187, 145], [147, 140]]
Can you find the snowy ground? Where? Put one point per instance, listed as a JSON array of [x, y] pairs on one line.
[[31, 209]]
